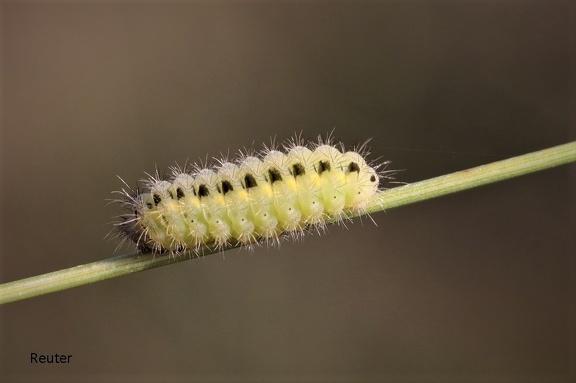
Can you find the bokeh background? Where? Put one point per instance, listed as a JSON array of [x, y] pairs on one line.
[[476, 286]]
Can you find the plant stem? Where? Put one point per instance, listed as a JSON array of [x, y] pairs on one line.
[[404, 195]]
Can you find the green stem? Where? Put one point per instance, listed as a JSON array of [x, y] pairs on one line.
[[418, 191]]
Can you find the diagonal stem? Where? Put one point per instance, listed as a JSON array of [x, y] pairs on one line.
[[404, 195]]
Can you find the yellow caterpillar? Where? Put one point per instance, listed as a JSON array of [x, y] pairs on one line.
[[254, 199]]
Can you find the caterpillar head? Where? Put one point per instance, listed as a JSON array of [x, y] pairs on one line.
[[362, 180]]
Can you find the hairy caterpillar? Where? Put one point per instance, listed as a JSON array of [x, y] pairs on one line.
[[257, 198]]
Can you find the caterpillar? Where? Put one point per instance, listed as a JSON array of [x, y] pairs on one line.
[[258, 197]]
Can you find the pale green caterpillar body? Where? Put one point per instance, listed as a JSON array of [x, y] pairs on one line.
[[257, 198]]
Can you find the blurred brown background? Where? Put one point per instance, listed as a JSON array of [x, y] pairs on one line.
[[476, 286]]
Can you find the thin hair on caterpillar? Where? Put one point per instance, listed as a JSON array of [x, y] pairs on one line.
[[282, 191]]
